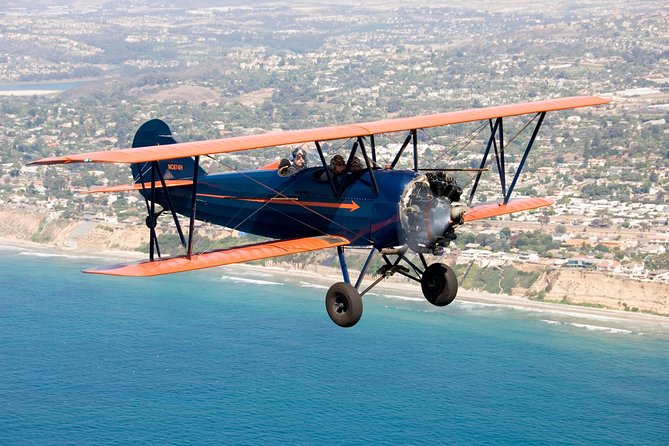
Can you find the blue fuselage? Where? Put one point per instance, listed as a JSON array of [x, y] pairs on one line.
[[262, 202]]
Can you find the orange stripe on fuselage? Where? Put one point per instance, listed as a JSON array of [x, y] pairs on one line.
[[352, 206]]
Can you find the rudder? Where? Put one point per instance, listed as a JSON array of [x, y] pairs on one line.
[[157, 132]]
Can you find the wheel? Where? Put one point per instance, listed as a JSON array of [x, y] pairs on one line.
[[344, 304], [151, 223], [439, 284]]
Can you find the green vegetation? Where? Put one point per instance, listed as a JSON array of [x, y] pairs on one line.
[[657, 262], [496, 279]]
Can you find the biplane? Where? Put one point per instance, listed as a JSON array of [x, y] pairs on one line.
[[366, 204]]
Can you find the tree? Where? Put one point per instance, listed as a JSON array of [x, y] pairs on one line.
[[657, 262]]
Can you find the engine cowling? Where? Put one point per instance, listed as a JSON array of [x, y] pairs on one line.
[[430, 211]]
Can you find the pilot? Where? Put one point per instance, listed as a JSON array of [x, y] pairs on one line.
[[298, 162]]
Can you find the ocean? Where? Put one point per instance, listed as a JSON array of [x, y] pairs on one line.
[[234, 356]]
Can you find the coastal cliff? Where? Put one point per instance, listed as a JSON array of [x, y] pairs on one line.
[[598, 289]]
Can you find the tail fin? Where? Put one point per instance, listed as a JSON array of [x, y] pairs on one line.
[[156, 132]]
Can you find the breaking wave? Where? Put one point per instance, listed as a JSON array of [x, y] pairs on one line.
[[600, 328], [312, 285], [245, 280], [395, 296], [50, 254]]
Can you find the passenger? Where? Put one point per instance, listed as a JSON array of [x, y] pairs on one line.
[[298, 162], [337, 167], [356, 164]]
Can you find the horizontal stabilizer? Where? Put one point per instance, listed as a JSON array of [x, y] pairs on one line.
[[221, 257], [274, 165], [487, 210], [274, 139], [137, 186]]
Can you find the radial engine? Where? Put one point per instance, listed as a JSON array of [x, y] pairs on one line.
[[430, 210]]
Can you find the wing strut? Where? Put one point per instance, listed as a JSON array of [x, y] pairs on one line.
[[414, 136], [372, 144], [404, 146], [152, 217], [497, 131], [411, 137], [191, 225], [522, 161], [349, 162], [169, 203], [325, 166], [483, 161], [370, 167], [499, 154]]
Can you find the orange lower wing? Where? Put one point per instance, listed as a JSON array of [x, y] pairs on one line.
[[221, 257], [487, 210]]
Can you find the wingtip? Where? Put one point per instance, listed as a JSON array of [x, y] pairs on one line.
[[49, 161], [602, 99]]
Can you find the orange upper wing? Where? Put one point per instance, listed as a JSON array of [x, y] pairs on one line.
[[487, 210], [221, 257], [240, 143]]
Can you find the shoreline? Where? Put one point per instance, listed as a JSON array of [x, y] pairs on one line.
[[466, 296], [389, 290]]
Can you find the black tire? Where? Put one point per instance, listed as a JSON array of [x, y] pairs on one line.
[[151, 224], [344, 304], [439, 284]]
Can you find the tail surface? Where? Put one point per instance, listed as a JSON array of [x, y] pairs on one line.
[[156, 132]]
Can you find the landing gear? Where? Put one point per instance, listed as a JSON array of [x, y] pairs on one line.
[[343, 301], [439, 284], [344, 304], [151, 222]]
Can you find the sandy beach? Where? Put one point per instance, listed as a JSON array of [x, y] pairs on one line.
[[590, 318]]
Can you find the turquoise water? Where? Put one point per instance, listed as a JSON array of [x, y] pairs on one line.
[[250, 358]]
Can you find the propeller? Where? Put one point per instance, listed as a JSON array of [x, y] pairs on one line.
[[430, 211]]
